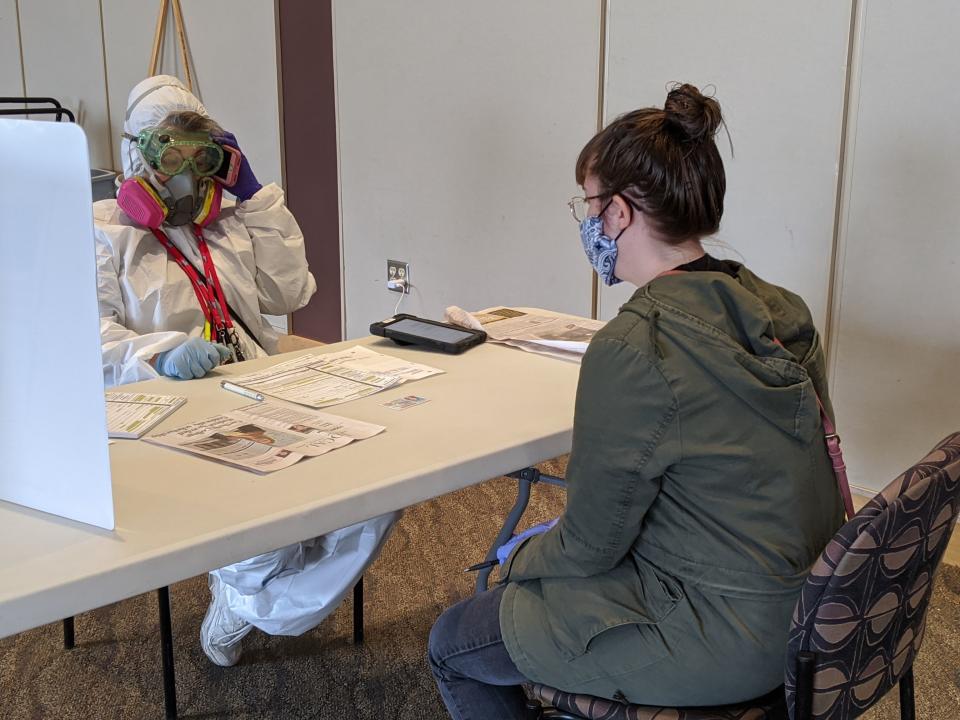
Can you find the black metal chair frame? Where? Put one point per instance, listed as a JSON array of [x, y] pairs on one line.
[[166, 641], [56, 109]]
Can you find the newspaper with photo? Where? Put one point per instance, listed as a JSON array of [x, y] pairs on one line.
[[531, 329], [264, 437], [320, 380]]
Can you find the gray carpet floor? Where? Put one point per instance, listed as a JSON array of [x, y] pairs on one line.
[[114, 672]]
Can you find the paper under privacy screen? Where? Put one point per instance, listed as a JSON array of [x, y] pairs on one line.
[[53, 433]]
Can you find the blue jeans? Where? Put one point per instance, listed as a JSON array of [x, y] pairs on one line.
[[476, 677]]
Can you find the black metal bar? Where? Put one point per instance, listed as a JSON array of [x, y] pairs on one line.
[[59, 112], [358, 612], [166, 651], [68, 633], [908, 710], [803, 701], [28, 100]]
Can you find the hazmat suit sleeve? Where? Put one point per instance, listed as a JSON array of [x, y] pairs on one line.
[[625, 435], [126, 354], [284, 283]]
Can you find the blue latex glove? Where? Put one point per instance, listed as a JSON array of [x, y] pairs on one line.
[[193, 359], [503, 552], [246, 185]]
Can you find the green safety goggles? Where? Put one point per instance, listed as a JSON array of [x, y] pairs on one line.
[[171, 152]]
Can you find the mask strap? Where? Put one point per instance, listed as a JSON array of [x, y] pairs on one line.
[[600, 215]]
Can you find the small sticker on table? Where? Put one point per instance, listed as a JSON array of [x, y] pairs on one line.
[[405, 402]]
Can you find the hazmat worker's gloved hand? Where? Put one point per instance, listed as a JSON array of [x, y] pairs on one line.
[[193, 359], [246, 185], [503, 552]]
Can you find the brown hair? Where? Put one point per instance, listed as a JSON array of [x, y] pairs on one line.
[[190, 121], [665, 163]]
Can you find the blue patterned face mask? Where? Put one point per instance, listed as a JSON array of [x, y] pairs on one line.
[[601, 249]]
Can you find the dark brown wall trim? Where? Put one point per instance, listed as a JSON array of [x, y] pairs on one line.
[[305, 39]]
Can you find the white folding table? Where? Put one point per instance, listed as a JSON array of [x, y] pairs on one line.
[[494, 410]]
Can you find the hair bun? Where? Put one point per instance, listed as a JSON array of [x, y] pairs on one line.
[[690, 113]]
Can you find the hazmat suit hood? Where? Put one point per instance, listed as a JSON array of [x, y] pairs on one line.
[[150, 101]]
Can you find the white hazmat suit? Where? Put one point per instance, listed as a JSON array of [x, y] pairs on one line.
[[147, 306]]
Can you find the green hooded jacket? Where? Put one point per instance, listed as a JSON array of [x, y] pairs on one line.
[[700, 494]]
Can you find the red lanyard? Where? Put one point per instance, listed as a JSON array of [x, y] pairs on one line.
[[208, 290]]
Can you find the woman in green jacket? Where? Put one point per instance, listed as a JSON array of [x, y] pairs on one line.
[[700, 490]]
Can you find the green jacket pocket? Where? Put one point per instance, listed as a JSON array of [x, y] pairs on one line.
[[580, 609]]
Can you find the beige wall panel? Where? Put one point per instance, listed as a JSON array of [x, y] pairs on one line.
[[63, 58], [459, 125], [233, 47], [779, 71], [898, 333], [11, 79]]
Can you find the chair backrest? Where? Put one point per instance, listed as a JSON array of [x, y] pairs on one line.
[[862, 610]]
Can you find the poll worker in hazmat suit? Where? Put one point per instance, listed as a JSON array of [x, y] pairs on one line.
[[184, 277]]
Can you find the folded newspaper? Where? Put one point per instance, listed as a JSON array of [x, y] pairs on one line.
[[531, 329], [323, 379], [264, 437]]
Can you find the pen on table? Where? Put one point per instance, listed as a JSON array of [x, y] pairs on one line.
[[482, 566], [240, 390]]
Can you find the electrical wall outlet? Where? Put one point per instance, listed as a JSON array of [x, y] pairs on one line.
[[398, 276]]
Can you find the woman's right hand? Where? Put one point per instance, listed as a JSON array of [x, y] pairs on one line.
[[193, 359], [503, 552]]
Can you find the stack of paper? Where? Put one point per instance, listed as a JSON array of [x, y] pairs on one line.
[[130, 415], [324, 379], [533, 330]]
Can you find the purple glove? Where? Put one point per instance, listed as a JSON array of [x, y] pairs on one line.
[[503, 552], [246, 185]]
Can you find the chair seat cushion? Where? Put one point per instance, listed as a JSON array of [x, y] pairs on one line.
[[769, 707]]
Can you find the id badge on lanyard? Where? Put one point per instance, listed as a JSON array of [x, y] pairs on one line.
[[217, 324]]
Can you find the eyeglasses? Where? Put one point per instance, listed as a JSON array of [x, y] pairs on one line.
[[580, 207]]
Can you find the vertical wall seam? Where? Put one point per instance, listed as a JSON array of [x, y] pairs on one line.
[[106, 90], [278, 51], [848, 141], [278, 61], [601, 109], [23, 67], [342, 217]]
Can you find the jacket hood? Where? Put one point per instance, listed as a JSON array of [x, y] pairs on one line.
[[752, 337]]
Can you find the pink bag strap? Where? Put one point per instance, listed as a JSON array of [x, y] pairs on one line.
[[832, 441], [836, 457]]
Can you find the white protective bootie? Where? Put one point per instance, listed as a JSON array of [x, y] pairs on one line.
[[221, 630]]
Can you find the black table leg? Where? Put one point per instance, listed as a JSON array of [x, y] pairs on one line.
[[907, 706], [166, 648], [358, 612], [68, 633]]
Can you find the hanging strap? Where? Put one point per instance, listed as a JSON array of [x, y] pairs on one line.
[[218, 326], [200, 288], [181, 40], [836, 457]]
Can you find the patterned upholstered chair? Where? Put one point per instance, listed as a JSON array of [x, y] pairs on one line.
[[859, 622]]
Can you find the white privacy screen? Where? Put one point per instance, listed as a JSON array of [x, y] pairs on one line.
[[53, 437]]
